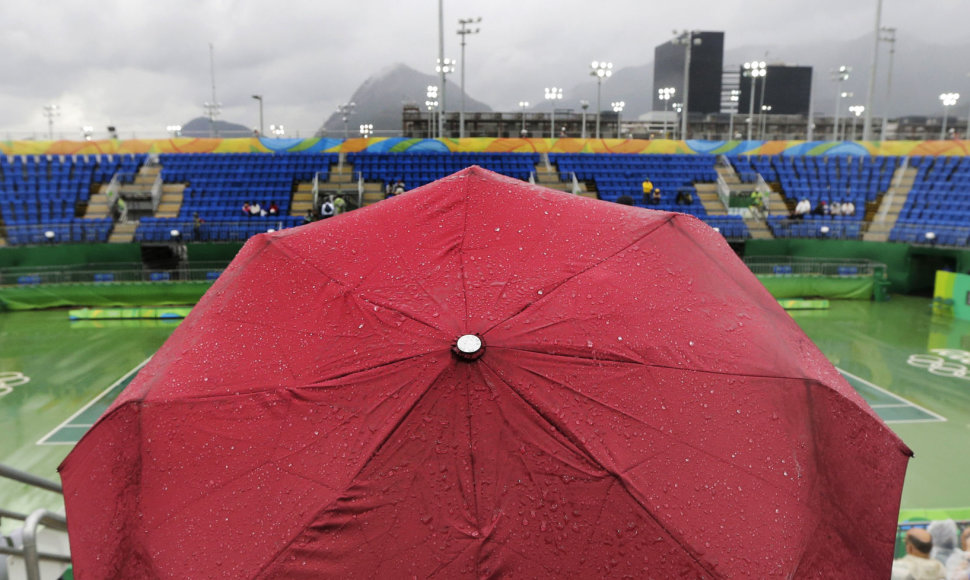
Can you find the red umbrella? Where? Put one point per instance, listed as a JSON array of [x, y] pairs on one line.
[[484, 378]]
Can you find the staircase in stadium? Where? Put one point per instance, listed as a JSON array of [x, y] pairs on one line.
[[715, 207], [882, 219]]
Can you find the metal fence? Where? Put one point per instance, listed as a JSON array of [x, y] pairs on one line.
[[108, 274], [795, 266]]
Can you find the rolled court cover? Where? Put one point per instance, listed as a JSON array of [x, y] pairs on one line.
[[483, 378]]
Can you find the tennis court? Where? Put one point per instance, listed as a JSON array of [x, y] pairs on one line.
[[911, 367]]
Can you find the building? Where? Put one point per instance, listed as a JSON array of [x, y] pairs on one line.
[[706, 62]]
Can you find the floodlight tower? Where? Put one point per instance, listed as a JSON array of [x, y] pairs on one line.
[[664, 94], [464, 32], [948, 100], [443, 68], [839, 76], [888, 35], [260, 99], [753, 70], [523, 105], [366, 130], [601, 70], [553, 94], [584, 104], [51, 111], [689, 39], [345, 110], [618, 108], [856, 110], [431, 103]]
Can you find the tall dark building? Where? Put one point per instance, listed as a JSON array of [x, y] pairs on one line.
[[706, 58], [786, 89]]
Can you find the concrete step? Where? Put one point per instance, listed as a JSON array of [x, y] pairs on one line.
[[303, 196], [299, 208], [304, 186], [123, 233], [372, 197]]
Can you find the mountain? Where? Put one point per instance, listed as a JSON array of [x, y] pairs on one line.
[[201, 127], [381, 99]]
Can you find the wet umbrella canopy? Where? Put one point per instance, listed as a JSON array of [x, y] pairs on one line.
[[484, 378]]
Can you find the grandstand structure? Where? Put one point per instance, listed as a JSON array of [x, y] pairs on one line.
[[172, 197]]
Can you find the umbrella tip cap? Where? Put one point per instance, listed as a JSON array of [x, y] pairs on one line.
[[469, 347]]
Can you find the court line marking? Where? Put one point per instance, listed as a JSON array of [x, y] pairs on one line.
[[937, 417], [44, 440]]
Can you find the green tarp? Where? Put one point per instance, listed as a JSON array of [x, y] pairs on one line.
[[850, 287], [112, 294]]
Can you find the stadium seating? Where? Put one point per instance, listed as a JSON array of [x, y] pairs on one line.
[[41, 196], [417, 169], [937, 210]]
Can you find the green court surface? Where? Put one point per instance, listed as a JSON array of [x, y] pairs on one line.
[[912, 367]]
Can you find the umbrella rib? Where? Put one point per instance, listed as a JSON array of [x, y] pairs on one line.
[[355, 290], [370, 456], [577, 442], [557, 285]]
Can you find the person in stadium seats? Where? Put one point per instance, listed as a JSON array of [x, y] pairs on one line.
[[821, 209], [255, 209], [399, 187], [339, 205], [848, 208], [624, 200], [655, 196], [836, 208], [245, 209], [197, 225], [917, 564], [802, 208], [684, 198], [327, 209], [647, 186], [945, 535], [273, 208], [122, 211], [958, 564]]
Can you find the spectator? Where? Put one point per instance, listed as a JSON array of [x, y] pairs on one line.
[[197, 225], [245, 208], [326, 209], [821, 209], [958, 565], [944, 534], [273, 208], [122, 210], [399, 187], [836, 208], [655, 196], [848, 208], [917, 564], [802, 208], [684, 197], [624, 200], [339, 205], [647, 186], [254, 209]]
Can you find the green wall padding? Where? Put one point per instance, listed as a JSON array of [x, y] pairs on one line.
[[111, 294]]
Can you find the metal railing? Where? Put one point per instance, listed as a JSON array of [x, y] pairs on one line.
[[108, 273], [30, 551], [575, 182], [796, 266]]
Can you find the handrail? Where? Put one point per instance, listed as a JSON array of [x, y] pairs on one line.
[[532, 177], [156, 192], [723, 191], [576, 189], [111, 192], [316, 190], [32, 556], [360, 189], [765, 191], [30, 479]]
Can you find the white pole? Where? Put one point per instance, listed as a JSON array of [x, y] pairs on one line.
[[441, 63], [890, 37], [867, 123], [754, 78], [683, 110]]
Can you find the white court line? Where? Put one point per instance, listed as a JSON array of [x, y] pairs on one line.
[[904, 402], [43, 440]]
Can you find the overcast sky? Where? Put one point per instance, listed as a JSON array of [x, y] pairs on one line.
[[144, 65]]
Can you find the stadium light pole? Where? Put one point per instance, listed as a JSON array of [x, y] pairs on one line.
[[839, 76], [843, 131], [366, 130], [600, 70], [664, 95], [856, 110], [464, 32], [523, 105], [51, 111], [867, 122], [888, 35], [431, 104], [735, 98], [583, 104], [618, 108], [213, 107], [688, 39], [260, 99], [948, 100], [553, 94], [345, 110], [753, 70], [762, 128], [444, 68], [441, 59]]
